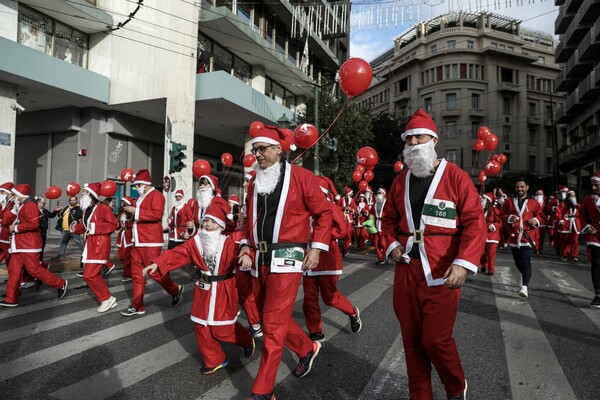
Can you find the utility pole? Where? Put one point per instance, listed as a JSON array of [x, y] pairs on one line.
[[316, 153]]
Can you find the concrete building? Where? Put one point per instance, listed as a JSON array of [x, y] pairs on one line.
[[468, 70], [89, 87], [578, 27]]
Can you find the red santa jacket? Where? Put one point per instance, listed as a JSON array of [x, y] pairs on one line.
[[27, 237], [378, 215], [530, 211], [7, 217], [545, 222], [178, 222], [147, 225], [99, 225], [214, 303], [452, 222], [301, 198], [590, 218], [567, 218], [363, 211], [125, 233], [330, 262], [348, 206], [494, 224], [550, 211]]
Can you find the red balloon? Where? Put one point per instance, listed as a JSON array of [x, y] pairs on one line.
[[127, 174], [478, 145], [367, 157], [108, 188], [483, 132], [306, 135], [249, 160], [357, 176], [200, 167], [73, 188], [360, 168], [492, 168], [482, 177], [362, 186], [502, 159], [491, 141], [256, 128], [355, 76], [369, 175], [398, 166], [53, 192], [227, 159]]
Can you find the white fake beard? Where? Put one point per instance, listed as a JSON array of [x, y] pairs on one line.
[[420, 158], [204, 197], [17, 203], [209, 241], [266, 179], [178, 204], [562, 195], [3, 200], [141, 191], [361, 205], [380, 198], [573, 201], [123, 218], [86, 201], [539, 198]]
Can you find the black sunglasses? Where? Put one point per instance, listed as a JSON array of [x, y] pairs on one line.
[[260, 149]]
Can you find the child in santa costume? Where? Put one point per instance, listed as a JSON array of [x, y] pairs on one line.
[[590, 220], [125, 237], [325, 276], [181, 213], [362, 213], [348, 206], [25, 246], [215, 303], [98, 224], [568, 226], [435, 230], [494, 227]]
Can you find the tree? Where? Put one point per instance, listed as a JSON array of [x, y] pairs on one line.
[[387, 129]]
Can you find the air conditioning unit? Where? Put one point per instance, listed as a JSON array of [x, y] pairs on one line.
[[507, 147]]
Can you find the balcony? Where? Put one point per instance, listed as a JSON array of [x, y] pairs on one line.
[[573, 5], [563, 20], [577, 68], [563, 52], [589, 10], [589, 48], [574, 104], [451, 112], [596, 80], [581, 153], [564, 84], [559, 2], [562, 117], [533, 120], [576, 30], [587, 89], [402, 96], [509, 87], [477, 113]]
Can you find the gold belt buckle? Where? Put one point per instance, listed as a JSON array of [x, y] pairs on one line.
[[203, 278], [262, 246], [418, 236], [519, 230]]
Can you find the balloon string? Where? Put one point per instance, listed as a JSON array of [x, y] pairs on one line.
[[225, 181], [474, 163], [326, 130]]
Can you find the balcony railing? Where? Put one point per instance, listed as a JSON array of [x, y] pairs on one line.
[[588, 143]]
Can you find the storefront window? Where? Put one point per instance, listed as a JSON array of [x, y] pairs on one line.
[[242, 70], [223, 61], [70, 45], [204, 51], [35, 30]]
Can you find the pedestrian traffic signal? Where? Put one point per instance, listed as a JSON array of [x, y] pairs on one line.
[[176, 156]]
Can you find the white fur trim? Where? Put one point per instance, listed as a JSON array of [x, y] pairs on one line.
[[15, 191], [465, 264], [135, 182], [264, 139], [96, 195], [217, 220], [418, 131]]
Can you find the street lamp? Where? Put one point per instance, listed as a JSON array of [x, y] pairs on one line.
[[284, 122], [554, 137]]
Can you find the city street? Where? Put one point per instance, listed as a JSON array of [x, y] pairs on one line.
[[545, 347]]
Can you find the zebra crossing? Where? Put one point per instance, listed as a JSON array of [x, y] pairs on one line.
[[545, 347]]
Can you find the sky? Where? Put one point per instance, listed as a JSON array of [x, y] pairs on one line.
[[368, 41]]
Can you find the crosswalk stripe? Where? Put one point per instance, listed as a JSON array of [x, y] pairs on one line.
[[527, 348]]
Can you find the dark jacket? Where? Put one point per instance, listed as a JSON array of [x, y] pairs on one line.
[[46, 215], [75, 214]]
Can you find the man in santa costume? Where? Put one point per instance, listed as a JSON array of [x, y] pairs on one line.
[[377, 213], [125, 237], [25, 246], [207, 193], [435, 230], [97, 225], [281, 199], [540, 198], [6, 219], [568, 226], [325, 276], [494, 226], [550, 207], [561, 197], [369, 195], [181, 213], [523, 216], [363, 211], [590, 220], [348, 206], [214, 307], [147, 242]]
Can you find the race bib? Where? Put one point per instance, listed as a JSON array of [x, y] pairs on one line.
[[287, 260], [440, 213]]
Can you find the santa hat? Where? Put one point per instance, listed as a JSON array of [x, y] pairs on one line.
[[179, 192], [250, 175], [562, 189], [327, 187], [128, 200], [490, 197], [219, 211], [213, 180], [571, 192], [142, 178], [383, 190], [6, 187], [347, 190], [234, 198], [369, 189], [362, 194], [595, 177], [21, 190], [540, 191], [274, 135], [93, 189], [420, 123]]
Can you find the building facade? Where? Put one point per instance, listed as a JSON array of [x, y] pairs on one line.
[[468, 70], [89, 87], [578, 27]]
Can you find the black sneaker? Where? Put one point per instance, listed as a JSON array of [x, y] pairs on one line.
[[131, 311], [256, 332], [462, 396], [596, 301], [317, 337], [248, 352], [305, 363], [4, 303], [109, 270], [177, 299], [63, 290], [208, 371], [80, 274], [355, 322]]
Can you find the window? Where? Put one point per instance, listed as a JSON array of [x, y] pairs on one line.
[[451, 156], [433, 48], [495, 45], [548, 132], [549, 113], [542, 60], [204, 53], [506, 133], [428, 105], [450, 101], [506, 106], [549, 165], [503, 46], [533, 137], [510, 48], [531, 112], [242, 70], [470, 44], [475, 101], [531, 82], [474, 128], [474, 72], [532, 167], [451, 129], [506, 75], [223, 60], [451, 44]]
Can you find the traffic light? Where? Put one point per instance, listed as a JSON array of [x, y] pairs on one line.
[[176, 157]]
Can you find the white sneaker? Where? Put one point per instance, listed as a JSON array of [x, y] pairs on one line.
[[107, 304], [523, 292], [126, 279], [27, 285]]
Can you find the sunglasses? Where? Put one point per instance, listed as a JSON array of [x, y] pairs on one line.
[[260, 149]]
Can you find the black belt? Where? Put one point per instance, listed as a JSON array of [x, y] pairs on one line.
[[418, 234], [264, 247], [214, 278]]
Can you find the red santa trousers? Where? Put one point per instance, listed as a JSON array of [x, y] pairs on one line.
[[275, 296], [348, 238], [361, 236], [569, 244], [31, 263], [427, 315], [124, 254], [93, 277], [488, 259], [140, 258], [380, 246], [208, 338], [243, 283], [541, 238], [4, 254], [332, 297]]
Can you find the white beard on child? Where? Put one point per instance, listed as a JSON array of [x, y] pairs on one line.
[[210, 242]]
